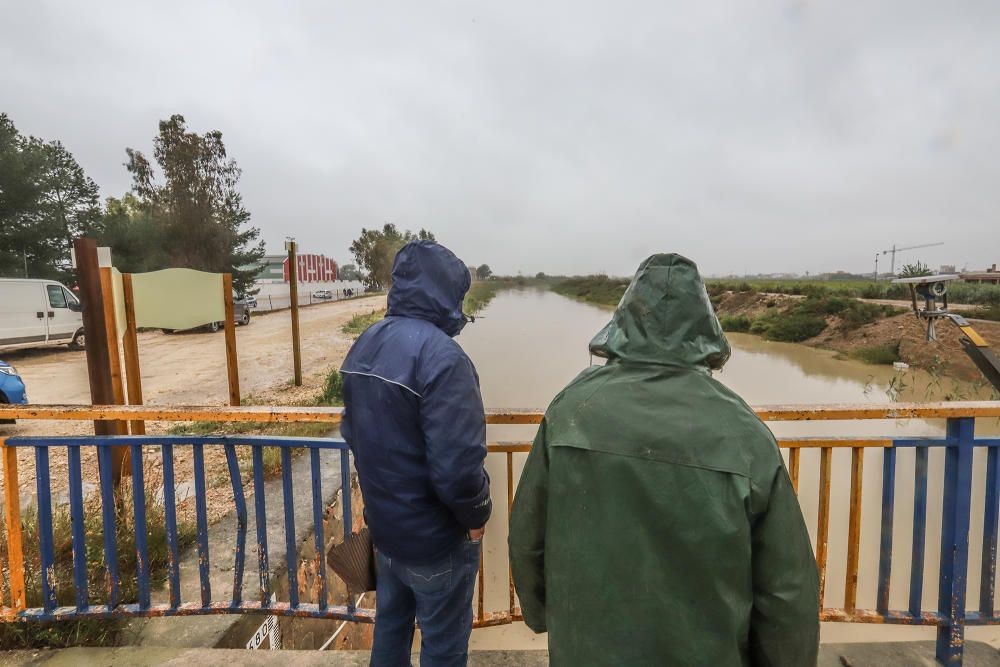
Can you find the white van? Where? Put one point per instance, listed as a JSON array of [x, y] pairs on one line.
[[34, 313]]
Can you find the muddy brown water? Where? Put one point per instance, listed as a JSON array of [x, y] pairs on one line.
[[530, 343]]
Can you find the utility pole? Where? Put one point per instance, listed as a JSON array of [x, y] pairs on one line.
[[293, 293], [876, 267]]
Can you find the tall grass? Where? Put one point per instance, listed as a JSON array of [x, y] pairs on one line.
[[736, 323], [481, 293], [360, 322], [878, 354], [601, 290], [37, 634]]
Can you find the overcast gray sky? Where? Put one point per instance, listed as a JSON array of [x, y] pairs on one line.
[[564, 136]]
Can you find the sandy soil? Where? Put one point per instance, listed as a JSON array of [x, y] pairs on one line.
[[189, 369]]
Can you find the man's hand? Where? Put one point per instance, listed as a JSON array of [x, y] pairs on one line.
[[476, 534]]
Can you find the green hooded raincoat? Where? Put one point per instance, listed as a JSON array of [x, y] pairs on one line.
[[655, 523]]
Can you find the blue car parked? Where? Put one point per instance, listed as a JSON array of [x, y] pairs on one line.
[[11, 387]]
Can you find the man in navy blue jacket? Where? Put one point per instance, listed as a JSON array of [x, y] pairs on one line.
[[414, 420]]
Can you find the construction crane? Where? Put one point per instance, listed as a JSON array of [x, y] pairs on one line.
[[892, 253]]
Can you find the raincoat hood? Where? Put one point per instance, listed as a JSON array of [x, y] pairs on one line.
[[429, 283], [665, 318]]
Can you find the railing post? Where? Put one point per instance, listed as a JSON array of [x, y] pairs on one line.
[[12, 513], [955, 540]]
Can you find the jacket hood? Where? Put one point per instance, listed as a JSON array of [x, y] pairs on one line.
[[665, 318], [429, 283]]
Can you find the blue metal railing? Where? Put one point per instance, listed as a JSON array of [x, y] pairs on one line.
[[176, 605], [949, 615]]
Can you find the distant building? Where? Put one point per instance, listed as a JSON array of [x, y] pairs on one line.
[[311, 269], [272, 269], [947, 268], [990, 275], [314, 269]]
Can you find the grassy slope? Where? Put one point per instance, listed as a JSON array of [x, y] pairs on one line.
[[968, 293]]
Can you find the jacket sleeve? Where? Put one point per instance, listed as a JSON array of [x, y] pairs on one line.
[[454, 427], [527, 533], [784, 626]]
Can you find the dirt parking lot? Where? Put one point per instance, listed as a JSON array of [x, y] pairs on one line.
[[190, 368]]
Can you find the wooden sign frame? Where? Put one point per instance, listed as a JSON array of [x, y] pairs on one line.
[[133, 378]]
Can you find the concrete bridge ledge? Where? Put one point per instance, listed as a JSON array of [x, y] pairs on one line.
[[894, 654]]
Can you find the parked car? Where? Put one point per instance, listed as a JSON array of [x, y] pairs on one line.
[[241, 315], [35, 313], [323, 294], [251, 300], [11, 388]]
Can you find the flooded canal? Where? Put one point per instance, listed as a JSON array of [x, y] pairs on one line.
[[531, 343]]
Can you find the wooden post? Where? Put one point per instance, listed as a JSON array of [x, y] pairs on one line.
[[133, 379], [121, 457], [232, 364], [15, 553], [293, 293], [99, 368]]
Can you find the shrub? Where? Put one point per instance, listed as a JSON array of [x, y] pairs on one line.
[[788, 327], [877, 354], [736, 323], [333, 389]]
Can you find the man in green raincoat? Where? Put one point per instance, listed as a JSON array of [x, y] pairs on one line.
[[655, 523]]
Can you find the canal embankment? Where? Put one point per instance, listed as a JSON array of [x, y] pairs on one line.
[[834, 319]]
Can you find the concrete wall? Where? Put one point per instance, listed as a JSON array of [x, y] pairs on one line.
[[274, 296]]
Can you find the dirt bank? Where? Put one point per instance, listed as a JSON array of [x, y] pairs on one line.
[[902, 331]]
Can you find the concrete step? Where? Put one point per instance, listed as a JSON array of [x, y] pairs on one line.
[[895, 654], [134, 656]]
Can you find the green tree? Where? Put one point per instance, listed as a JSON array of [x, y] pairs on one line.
[[348, 272], [375, 250], [197, 208], [484, 271], [134, 236], [46, 199]]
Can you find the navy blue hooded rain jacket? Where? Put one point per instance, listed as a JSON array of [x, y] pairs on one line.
[[413, 413]]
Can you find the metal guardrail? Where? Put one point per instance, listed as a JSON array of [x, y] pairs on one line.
[[176, 606], [949, 615]]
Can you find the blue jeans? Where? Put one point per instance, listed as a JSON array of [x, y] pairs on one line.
[[438, 595]]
